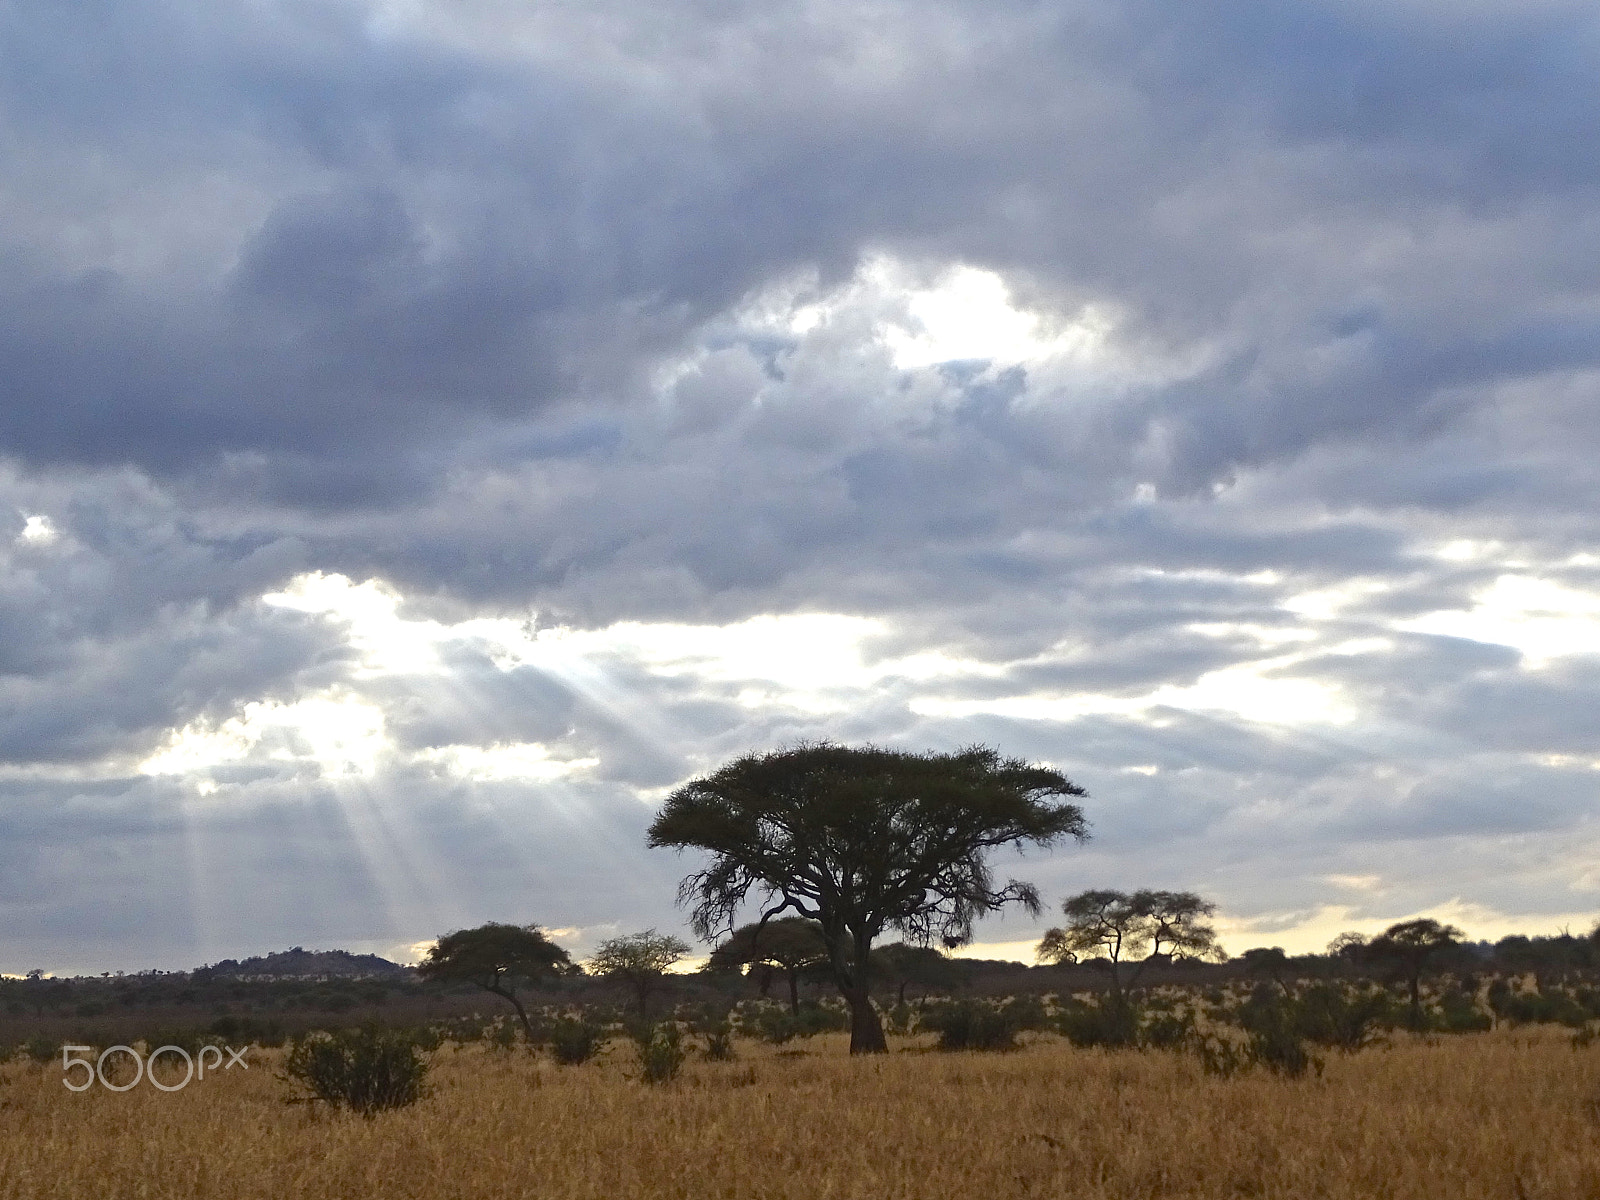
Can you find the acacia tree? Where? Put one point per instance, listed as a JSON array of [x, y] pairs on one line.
[[861, 840], [901, 965], [792, 945], [639, 960], [494, 957], [1160, 926], [1410, 946]]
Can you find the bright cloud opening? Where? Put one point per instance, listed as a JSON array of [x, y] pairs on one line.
[[519, 761], [38, 531], [339, 732], [1539, 618]]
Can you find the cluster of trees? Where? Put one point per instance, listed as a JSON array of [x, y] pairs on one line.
[[850, 841], [837, 845]]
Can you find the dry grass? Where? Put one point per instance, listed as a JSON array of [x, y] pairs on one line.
[[1504, 1115]]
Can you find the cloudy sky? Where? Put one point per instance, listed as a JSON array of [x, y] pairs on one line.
[[432, 429]]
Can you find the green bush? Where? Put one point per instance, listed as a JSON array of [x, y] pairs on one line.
[[773, 1024], [1166, 1031], [41, 1049], [1221, 1057], [817, 1018], [1113, 1024], [1459, 1013], [1329, 1016], [574, 1040], [661, 1053], [719, 1040], [1027, 1012], [366, 1070], [1536, 1008], [971, 1025]]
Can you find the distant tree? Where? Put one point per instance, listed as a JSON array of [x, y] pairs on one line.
[[1146, 926], [494, 957], [1349, 946], [902, 965], [792, 945], [1411, 946], [861, 840], [639, 960], [1269, 962]]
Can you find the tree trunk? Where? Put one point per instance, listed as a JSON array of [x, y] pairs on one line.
[[866, 1030], [794, 991], [527, 1026]]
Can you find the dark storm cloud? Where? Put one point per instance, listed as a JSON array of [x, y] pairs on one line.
[[469, 298], [435, 232]]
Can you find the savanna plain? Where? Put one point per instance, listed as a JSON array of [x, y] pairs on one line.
[[1510, 1114]]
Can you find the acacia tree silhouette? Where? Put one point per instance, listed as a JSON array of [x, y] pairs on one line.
[[494, 957], [861, 840]]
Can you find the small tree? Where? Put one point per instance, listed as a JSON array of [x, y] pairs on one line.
[[792, 945], [494, 957], [861, 840], [639, 960], [1410, 946], [901, 965], [1160, 926], [1269, 962]]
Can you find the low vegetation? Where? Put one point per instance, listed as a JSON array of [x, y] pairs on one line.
[[1506, 1114]]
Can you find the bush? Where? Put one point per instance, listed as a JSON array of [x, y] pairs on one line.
[[1220, 1057], [366, 1070], [661, 1052], [1536, 1008], [1166, 1031], [719, 1039], [1275, 1033], [899, 1019], [1459, 1013], [817, 1018], [41, 1049], [1113, 1024], [574, 1040], [774, 1024], [1027, 1013], [971, 1025], [1328, 1016]]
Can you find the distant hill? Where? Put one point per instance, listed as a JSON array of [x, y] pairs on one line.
[[300, 963]]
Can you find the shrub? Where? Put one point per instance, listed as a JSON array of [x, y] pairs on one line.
[[719, 1039], [1275, 1033], [900, 1019], [1220, 1057], [366, 1070], [817, 1018], [661, 1052], [1026, 1012], [1281, 1051], [971, 1025], [1113, 1024], [1166, 1031], [774, 1024], [41, 1049], [574, 1040], [1536, 1008], [1328, 1016], [1459, 1013]]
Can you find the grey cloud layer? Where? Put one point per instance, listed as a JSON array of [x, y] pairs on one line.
[[475, 298]]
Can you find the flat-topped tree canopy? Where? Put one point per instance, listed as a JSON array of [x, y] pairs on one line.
[[863, 839]]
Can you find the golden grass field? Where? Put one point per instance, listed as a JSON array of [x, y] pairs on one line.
[[1508, 1115]]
